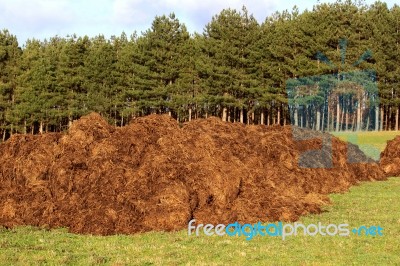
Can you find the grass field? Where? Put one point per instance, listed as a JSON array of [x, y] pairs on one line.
[[371, 203], [371, 143]]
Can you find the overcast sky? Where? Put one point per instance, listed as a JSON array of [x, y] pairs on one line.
[[46, 18]]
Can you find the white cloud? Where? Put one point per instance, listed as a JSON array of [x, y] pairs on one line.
[[130, 12], [34, 14], [35, 18], [213, 7], [194, 13], [47, 18]]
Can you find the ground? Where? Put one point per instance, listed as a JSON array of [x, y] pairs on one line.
[[371, 203], [371, 143]]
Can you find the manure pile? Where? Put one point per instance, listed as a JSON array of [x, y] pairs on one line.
[[390, 158], [155, 175]]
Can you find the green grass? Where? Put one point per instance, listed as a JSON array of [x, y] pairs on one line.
[[371, 203]]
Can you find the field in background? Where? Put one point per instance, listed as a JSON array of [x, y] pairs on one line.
[[372, 203], [371, 143]]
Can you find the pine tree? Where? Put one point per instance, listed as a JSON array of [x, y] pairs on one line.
[[124, 74], [99, 81], [10, 53], [159, 63], [228, 40], [70, 76], [395, 78]]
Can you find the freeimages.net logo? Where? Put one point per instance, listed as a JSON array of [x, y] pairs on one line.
[[343, 101], [282, 230]]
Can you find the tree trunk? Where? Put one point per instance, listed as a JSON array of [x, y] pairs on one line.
[[397, 120], [302, 119], [317, 127], [41, 127], [377, 118], [224, 114], [328, 119], [337, 114], [382, 113], [241, 116], [69, 121], [190, 114], [342, 119], [306, 116], [386, 118], [115, 115], [279, 116], [262, 118], [359, 115]]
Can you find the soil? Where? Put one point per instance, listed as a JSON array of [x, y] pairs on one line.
[[157, 175], [390, 158]]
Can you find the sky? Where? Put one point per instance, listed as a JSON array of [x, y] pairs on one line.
[[42, 19]]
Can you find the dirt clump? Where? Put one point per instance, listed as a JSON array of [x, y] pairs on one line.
[[390, 158], [155, 175]]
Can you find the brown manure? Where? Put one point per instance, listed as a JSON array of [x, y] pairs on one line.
[[390, 158], [155, 175]]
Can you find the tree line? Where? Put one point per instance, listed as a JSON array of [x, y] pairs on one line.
[[237, 69]]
